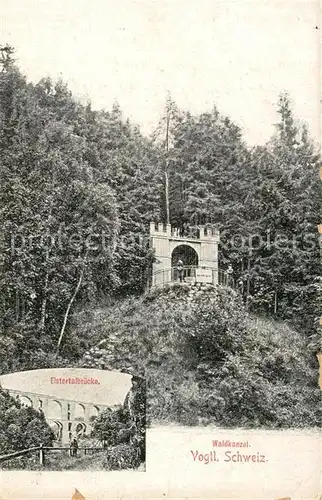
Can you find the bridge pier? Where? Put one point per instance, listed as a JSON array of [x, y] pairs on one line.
[[66, 417], [45, 405]]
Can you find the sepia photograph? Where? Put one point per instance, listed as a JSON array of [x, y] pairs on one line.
[[72, 419], [159, 213]]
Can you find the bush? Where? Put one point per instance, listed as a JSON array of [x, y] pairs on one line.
[[122, 456], [208, 361], [21, 428]]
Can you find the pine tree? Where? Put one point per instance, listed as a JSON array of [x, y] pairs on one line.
[[50, 210]]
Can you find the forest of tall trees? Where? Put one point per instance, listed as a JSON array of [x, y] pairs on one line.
[[80, 186]]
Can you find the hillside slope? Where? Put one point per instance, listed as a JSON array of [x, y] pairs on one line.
[[206, 359]]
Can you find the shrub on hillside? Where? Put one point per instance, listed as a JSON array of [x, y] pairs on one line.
[[208, 361]]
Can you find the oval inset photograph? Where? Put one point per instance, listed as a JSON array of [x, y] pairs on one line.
[[72, 419]]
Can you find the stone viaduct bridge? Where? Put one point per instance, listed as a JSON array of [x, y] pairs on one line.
[[67, 418]]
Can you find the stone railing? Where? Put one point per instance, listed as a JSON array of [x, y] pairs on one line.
[[192, 274]]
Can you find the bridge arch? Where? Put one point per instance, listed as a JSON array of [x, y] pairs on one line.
[[80, 429], [79, 413], [94, 412], [54, 410], [24, 400], [57, 427]]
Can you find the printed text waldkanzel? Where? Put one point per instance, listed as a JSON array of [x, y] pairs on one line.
[[226, 443]]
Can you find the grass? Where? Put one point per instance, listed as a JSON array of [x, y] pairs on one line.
[[60, 460]]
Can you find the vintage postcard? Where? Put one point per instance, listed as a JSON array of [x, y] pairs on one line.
[[160, 289]]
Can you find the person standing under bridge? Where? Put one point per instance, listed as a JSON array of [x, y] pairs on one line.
[[73, 447]]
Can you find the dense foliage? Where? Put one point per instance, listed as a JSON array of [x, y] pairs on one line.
[[208, 360], [21, 427], [263, 199], [79, 188], [122, 430], [78, 192]]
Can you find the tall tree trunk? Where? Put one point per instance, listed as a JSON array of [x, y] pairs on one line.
[[23, 308], [166, 171], [44, 300], [242, 277], [4, 307], [70, 303], [17, 306], [248, 284], [167, 202], [275, 301]]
